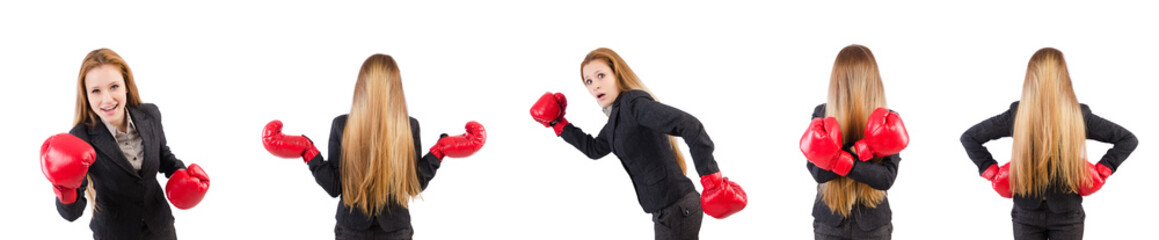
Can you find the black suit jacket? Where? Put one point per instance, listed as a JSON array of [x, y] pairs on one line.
[[637, 131], [878, 176], [328, 175], [127, 200], [1056, 199]]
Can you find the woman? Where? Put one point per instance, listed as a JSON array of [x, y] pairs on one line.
[[639, 131], [122, 146], [1048, 173], [375, 164], [851, 201]]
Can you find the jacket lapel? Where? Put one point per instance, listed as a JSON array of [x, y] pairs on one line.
[[144, 124], [104, 142]]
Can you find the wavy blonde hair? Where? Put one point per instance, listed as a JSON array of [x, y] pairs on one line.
[[626, 79], [855, 90], [85, 113], [378, 158], [1049, 133]]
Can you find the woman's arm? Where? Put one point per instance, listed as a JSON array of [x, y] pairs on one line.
[[169, 162], [594, 148], [821, 175], [878, 176], [993, 128], [1102, 130], [73, 211], [663, 118], [327, 173], [426, 165]]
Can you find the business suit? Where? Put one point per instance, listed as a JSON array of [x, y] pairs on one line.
[[1056, 204], [394, 221], [130, 203], [637, 132], [870, 222]]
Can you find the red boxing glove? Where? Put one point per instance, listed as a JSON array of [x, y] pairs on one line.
[[884, 135], [287, 146], [821, 144], [1098, 175], [187, 187], [721, 197], [549, 111], [999, 178], [463, 145], [65, 160]]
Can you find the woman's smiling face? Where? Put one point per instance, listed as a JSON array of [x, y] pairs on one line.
[[105, 87]]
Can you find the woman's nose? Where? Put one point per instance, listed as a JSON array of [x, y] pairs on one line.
[[105, 97]]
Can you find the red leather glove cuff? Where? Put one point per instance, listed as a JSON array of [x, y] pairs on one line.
[[862, 150], [438, 153], [844, 164], [710, 181], [558, 126], [310, 153], [990, 172], [1103, 170]]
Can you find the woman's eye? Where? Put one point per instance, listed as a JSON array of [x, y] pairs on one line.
[[115, 87], [95, 91], [588, 82], [601, 75]]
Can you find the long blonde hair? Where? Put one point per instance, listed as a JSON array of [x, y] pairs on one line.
[[1049, 133], [84, 112], [855, 90], [626, 79], [377, 146]]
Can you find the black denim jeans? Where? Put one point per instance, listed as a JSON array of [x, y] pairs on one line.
[[1043, 224], [681, 220], [848, 229]]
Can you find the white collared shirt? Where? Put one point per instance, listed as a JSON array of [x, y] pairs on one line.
[[129, 142]]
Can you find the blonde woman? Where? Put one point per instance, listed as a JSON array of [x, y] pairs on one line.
[[854, 172], [114, 151], [639, 131], [1048, 174], [375, 164]]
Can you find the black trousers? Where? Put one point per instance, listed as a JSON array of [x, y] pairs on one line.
[[1043, 224], [374, 232], [166, 234], [848, 229], [681, 220]]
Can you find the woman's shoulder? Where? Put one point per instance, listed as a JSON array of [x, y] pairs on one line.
[[339, 122], [149, 108], [80, 130], [636, 93], [819, 110]]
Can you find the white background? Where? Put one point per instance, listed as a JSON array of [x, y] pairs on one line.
[[752, 73]]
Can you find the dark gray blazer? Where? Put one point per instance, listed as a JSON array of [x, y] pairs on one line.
[[637, 131], [1056, 199], [127, 200], [328, 174], [878, 176]]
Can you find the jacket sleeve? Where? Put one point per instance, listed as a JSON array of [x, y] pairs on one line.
[[73, 211], [426, 165], [1101, 130], [666, 119], [169, 163], [820, 175], [327, 173], [594, 148], [877, 176], [993, 128]]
